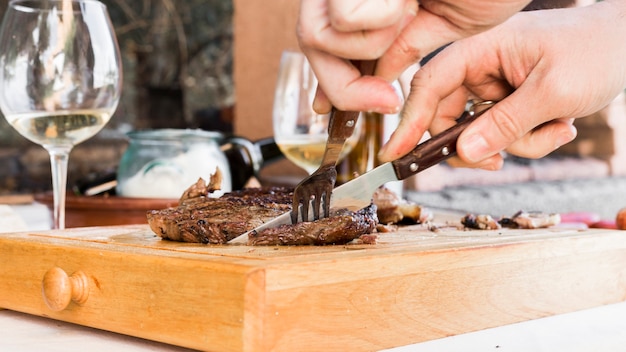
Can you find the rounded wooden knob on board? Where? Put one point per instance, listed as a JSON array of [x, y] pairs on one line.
[[59, 289]]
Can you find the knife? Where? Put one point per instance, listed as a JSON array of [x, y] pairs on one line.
[[357, 193]]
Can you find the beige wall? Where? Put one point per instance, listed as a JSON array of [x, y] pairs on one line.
[[262, 30]]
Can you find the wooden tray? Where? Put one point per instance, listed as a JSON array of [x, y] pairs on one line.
[[413, 286]]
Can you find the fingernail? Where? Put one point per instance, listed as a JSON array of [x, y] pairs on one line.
[[412, 8], [383, 154], [386, 110], [319, 107], [476, 148], [382, 151]]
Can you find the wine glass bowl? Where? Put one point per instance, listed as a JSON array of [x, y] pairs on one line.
[[299, 131], [60, 77]]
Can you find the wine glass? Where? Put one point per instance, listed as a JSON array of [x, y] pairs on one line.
[[60, 77], [300, 132]]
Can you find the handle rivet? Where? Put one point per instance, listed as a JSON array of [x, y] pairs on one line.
[[445, 151], [350, 123], [413, 167]]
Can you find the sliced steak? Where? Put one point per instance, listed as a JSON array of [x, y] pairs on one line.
[[340, 228], [201, 219]]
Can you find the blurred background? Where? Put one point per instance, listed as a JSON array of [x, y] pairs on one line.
[[178, 63]]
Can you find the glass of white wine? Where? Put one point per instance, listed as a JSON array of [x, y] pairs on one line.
[[300, 132], [60, 77]]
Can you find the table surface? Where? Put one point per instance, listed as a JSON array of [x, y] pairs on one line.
[[597, 329]]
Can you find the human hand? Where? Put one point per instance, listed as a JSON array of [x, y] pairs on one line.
[[333, 32], [545, 68]]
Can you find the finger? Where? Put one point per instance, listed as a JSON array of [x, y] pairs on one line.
[[544, 139], [405, 79], [349, 16], [493, 163], [321, 104], [423, 35], [346, 89], [410, 129], [449, 110], [430, 85], [315, 31], [507, 122]]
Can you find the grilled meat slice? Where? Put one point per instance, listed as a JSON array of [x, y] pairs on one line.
[[202, 219], [340, 228]]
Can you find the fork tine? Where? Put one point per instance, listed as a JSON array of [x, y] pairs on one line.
[[316, 203], [295, 211], [299, 194], [304, 209], [326, 203]]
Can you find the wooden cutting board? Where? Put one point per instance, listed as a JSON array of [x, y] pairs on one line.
[[414, 285]]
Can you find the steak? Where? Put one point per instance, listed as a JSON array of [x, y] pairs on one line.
[[201, 219], [340, 228], [218, 220]]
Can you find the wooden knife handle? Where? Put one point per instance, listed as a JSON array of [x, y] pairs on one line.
[[438, 148]]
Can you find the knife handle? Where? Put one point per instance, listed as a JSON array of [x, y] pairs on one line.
[[438, 148]]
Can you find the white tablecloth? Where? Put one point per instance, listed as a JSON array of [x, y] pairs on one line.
[[600, 329]]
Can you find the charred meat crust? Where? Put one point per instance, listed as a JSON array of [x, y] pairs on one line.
[[201, 219], [218, 220], [340, 228]]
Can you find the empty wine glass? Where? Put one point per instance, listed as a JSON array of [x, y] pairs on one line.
[[300, 132], [60, 77]]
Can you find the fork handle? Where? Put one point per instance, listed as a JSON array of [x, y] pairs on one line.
[[342, 123], [340, 127]]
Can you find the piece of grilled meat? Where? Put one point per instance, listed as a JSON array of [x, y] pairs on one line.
[[218, 220], [340, 228], [201, 219]]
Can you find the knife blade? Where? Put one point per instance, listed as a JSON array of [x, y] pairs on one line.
[[357, 193]]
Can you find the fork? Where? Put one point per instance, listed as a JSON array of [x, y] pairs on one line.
[[315, 190]]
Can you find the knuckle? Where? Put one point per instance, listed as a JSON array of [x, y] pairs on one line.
[[508, 126], [343, 22], [306, 37], [406, 48]]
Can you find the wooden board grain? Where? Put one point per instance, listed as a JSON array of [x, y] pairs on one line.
[[414, 285]]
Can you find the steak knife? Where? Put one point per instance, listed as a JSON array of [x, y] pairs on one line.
[[357, 193]]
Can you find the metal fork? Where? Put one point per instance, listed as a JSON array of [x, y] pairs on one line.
[[315, 190]]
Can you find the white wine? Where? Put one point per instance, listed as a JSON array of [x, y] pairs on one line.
[[307, 151], [60, 127]]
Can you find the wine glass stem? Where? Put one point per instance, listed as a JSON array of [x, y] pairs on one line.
[[58, 160]]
